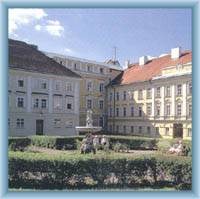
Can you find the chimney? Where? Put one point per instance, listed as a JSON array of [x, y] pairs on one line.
[[127, 62], [175, 53], [143, 60]]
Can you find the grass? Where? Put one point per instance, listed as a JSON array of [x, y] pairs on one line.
[[75, 154]]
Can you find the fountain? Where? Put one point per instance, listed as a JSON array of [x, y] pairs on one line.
[[89, 128]]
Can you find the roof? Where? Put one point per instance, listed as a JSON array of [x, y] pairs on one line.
[[136, 73], [27, 57], [108, 65], [113, 62]]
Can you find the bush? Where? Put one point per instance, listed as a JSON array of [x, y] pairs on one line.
[[119, 147], [18, 143], [134, 143], [41, 171]]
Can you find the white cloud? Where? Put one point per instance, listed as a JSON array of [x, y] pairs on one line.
[[54, 28], [68, 50], [18, 17], [38, 27]]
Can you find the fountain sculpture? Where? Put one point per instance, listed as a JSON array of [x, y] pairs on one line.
[[89, 128]]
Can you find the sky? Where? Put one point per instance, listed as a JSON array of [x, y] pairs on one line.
[[93, 33]]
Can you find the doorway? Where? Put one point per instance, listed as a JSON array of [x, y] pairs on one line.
[[39, 127], [178, 131]]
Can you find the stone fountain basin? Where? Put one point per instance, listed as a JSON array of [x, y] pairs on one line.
[[89, 129]]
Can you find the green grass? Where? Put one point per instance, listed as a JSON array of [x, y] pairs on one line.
[[74, 155]]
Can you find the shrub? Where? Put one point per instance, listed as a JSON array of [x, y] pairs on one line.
[[119, 147], [18, 143], [41, 171], [134, 143]]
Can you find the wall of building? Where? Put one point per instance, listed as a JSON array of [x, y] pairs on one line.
[[51, 98], [137, 96]]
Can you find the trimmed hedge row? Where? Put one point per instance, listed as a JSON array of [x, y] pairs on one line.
[[71, 143], [38, 171]]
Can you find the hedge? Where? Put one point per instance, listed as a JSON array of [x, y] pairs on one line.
[[42, 171], [71, 143]]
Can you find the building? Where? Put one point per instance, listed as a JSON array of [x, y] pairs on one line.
[[43, 95], [153, 97], [95, 76]]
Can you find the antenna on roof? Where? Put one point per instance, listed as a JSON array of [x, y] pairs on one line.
[[115, 53]]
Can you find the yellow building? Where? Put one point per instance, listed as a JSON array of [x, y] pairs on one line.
[[153, 97], [95, 76]]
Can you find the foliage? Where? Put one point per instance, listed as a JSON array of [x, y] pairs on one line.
[[18, 143], [71, 170]]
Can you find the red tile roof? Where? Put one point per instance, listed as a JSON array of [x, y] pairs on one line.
[[137, 73]]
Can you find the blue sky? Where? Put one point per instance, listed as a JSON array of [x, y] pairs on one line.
[[92, 33]]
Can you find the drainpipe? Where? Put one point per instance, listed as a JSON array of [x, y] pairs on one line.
[[114, 111]]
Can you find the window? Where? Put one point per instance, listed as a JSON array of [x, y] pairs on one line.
[[157, 131], [101, 70], [101, 121], [57, 123], [110, 97], [140, 95], [75, 66], [124, 111], [57, 85], [179, 109], [190, 110], [179, 90], [69, 106], [140, 111], [124, 95], [44, 103], [89, 68], [20, 83], [8, 122], [148, 109], [124, 129], [158, 92], [168, 91], [20, 123], [117, 96], [140, 129], [43, 85], [36, 103], [168, 109], [132, 129], [148, 129], [149, 93], [57, 102], [189, 132], [20, 102], [68, 87], [132, 111], [89, 103], [69, 123], [117, 112], [158, 110], [110, 128], [131, 95], [190, 88], [89, 86], [101, 87], [167, 131], [117, 129], [101, 104], [110, 112]]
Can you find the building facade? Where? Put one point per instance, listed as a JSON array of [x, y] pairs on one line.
[[153, 97], [43, 96], [95, 76]]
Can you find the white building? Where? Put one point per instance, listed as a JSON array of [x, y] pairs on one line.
[[43, 94]]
